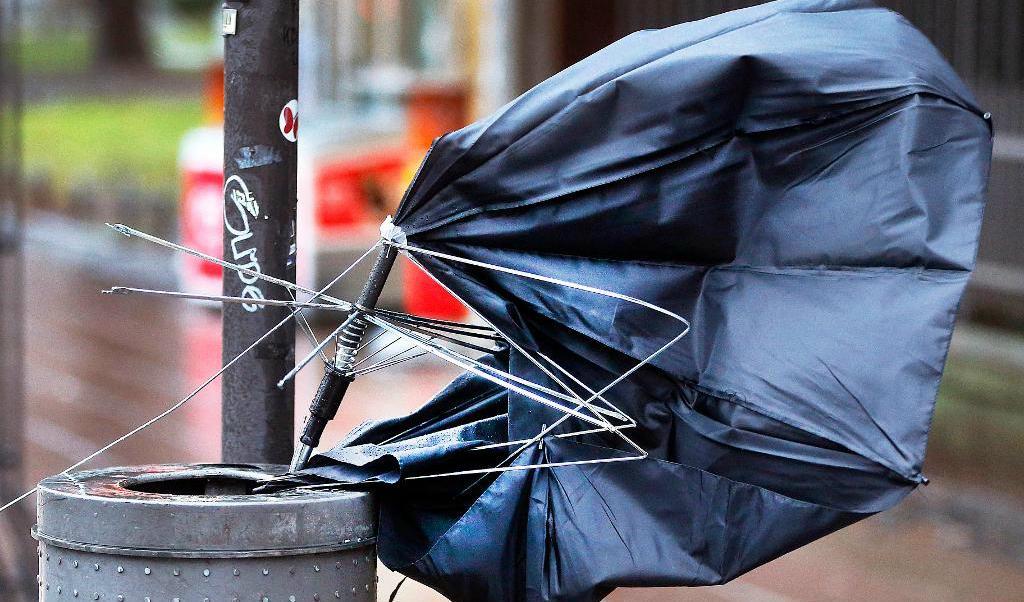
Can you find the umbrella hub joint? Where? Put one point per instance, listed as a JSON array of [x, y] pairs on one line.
[[391, 233]]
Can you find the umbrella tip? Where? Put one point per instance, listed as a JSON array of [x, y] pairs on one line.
[[121, 228]]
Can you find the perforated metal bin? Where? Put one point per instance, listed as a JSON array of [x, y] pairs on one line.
[[183, 533]]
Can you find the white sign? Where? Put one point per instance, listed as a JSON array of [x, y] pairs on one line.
[[229, 21]]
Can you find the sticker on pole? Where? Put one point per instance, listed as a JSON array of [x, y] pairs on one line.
[[289, 120]]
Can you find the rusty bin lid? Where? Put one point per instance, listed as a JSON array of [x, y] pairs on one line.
[[197, 511]]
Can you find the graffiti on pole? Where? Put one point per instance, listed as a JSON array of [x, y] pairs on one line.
[[240, 207]]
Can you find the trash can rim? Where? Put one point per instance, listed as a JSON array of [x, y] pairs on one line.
[[114, 481], [93, 511], [166, 553]]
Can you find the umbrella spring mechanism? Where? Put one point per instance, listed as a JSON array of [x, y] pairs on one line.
[[348, 343]]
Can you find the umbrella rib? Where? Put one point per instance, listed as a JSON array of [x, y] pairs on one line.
[[307, 329], [198, 389], [452, 331], [468, 364], [482, 471], [396, 315], [438, 335], [540, 277], [622, 377], [390, 358], [519, 380], [409, 250], [606, 426], [570, 390], [556, 435], [370, 342], [497, 469], [127, 290], [476, 334], [129, 231], [377, 367], [312, 354], [386, 345], [622, 415]]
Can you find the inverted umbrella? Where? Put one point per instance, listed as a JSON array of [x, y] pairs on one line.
[[801, 182]]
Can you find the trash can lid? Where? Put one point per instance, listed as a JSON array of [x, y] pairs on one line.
[[198, 510]]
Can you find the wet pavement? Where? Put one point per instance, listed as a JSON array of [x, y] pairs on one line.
[[99, 365]]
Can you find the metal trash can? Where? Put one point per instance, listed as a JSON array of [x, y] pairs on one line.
[[183, 533]]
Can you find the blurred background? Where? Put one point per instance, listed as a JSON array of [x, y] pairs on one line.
[[110, 110]]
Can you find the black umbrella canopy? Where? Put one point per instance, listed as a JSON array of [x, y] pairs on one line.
[[803, 182]]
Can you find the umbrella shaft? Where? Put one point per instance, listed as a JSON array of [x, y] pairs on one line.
[[331, 392]]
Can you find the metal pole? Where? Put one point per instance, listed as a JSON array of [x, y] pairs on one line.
[[261, 60]]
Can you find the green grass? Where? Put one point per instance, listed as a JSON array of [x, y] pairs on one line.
[[984, 385], [131, 141], [57, 52], [978, 431]]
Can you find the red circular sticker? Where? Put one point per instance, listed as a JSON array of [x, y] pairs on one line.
[[289, 120]]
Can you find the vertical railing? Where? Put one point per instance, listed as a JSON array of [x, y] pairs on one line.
[[261, 59]]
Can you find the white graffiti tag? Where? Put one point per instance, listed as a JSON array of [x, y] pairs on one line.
[[237, 194]]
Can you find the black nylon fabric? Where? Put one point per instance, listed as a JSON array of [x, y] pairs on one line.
[[803, 181]]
